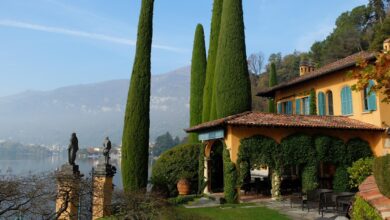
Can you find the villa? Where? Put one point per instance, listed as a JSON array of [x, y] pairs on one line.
[[341, 112]]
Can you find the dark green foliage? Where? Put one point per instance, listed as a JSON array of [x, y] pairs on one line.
[[232, 87], [229, 178], [323, 146], [360, 170], [135, 139], [179, 200], [198, 77], [381, 33], [313, 102], [244, 173], [378, 9], [309, 178], [341, 179], [201, 179], [272, 82], [211, 60], [339, 149], [298, 149], [381, 173], [172, 164], [163, 143], [356, 149], [362, 210]]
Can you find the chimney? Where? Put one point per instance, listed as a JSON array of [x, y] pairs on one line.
[[386, 45], [305, 67]]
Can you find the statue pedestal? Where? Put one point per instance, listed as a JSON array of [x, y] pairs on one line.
[[102, 190], [68, 185]]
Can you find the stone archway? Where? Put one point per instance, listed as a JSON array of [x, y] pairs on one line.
[[214, 166]]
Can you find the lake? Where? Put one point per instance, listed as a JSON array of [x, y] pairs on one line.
[[33, 165]]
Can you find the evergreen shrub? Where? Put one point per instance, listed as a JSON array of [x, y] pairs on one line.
[[298, 149], [356, 149], [172, 164], [309, 178], [359, 171], [341, 179], [382, 174], [229, 178], [362, 210]]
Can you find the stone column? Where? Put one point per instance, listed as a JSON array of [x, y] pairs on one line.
[[102, 190], [68, 186]]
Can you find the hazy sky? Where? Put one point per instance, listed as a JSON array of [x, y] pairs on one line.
[[45, 44]]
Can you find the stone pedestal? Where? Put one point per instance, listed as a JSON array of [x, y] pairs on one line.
[[68, 186], [102, 190]]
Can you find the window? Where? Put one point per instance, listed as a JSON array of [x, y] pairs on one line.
[[285, 107], [297, 106], [369, 98], [329, 96], [346, 101], [321, 103], [306, 106]]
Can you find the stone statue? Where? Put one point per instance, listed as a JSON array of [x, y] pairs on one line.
[[72, 149], [106, 150]]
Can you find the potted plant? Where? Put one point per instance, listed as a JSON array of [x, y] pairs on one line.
[[183, 183]]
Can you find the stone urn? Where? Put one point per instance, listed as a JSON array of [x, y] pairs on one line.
[[183, 186]]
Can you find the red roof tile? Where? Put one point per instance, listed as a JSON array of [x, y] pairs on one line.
[[260, 119], [341, 64]]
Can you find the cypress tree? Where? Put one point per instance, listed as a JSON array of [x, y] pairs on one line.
[[198, 75], [313, 102], [212, 56], [233, 89], [273, 81], [135, 139]]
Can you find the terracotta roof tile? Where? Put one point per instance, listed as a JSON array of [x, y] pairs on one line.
[[260, 119], [327, 69]]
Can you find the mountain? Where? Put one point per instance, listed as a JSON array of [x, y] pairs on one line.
[[93, 111]]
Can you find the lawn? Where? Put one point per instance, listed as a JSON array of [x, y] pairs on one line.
[[228, 212]]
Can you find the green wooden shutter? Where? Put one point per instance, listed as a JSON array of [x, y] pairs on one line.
[[279, 108], [343, 101], [349, 94], [289, 108], [321, 103], [297, 106]]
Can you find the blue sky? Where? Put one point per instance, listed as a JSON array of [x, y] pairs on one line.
[[46, 44]]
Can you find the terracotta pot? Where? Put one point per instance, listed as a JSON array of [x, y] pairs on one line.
[[183, 186]]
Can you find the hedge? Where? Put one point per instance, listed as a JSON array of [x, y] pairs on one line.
[[356, 149], [341, 179], [382, 174], [201, 178], [229, 178], [172, 164], [362, 210], [309, 178], [298, 149]]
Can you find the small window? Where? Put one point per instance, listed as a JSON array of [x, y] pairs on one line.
[[369, 98], [329, 96]]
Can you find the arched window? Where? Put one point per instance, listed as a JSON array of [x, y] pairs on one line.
[[329, 96], [369, 98], [346, 101], [321, 103]]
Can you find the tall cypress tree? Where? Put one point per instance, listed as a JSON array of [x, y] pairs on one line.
[[135, 139], [212, 56], [233, 89], [198, 77], [273, 81], [313, 102]]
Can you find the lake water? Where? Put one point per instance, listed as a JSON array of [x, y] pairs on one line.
[[52, 163]]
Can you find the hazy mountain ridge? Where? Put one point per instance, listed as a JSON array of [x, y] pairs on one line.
[[93, 111]]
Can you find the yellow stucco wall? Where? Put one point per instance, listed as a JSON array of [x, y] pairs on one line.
[[235, 134]]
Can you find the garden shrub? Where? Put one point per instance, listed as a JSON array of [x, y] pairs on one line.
[[309, 178], [298, 149], [359, 171], [338, 151], [323, 146], [341, 179], [172, 164], [362, 210], [356, 149], [229, 177], [181, 199], [382, 174]]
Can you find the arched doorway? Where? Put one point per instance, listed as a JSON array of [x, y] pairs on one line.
[[215, 167]]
